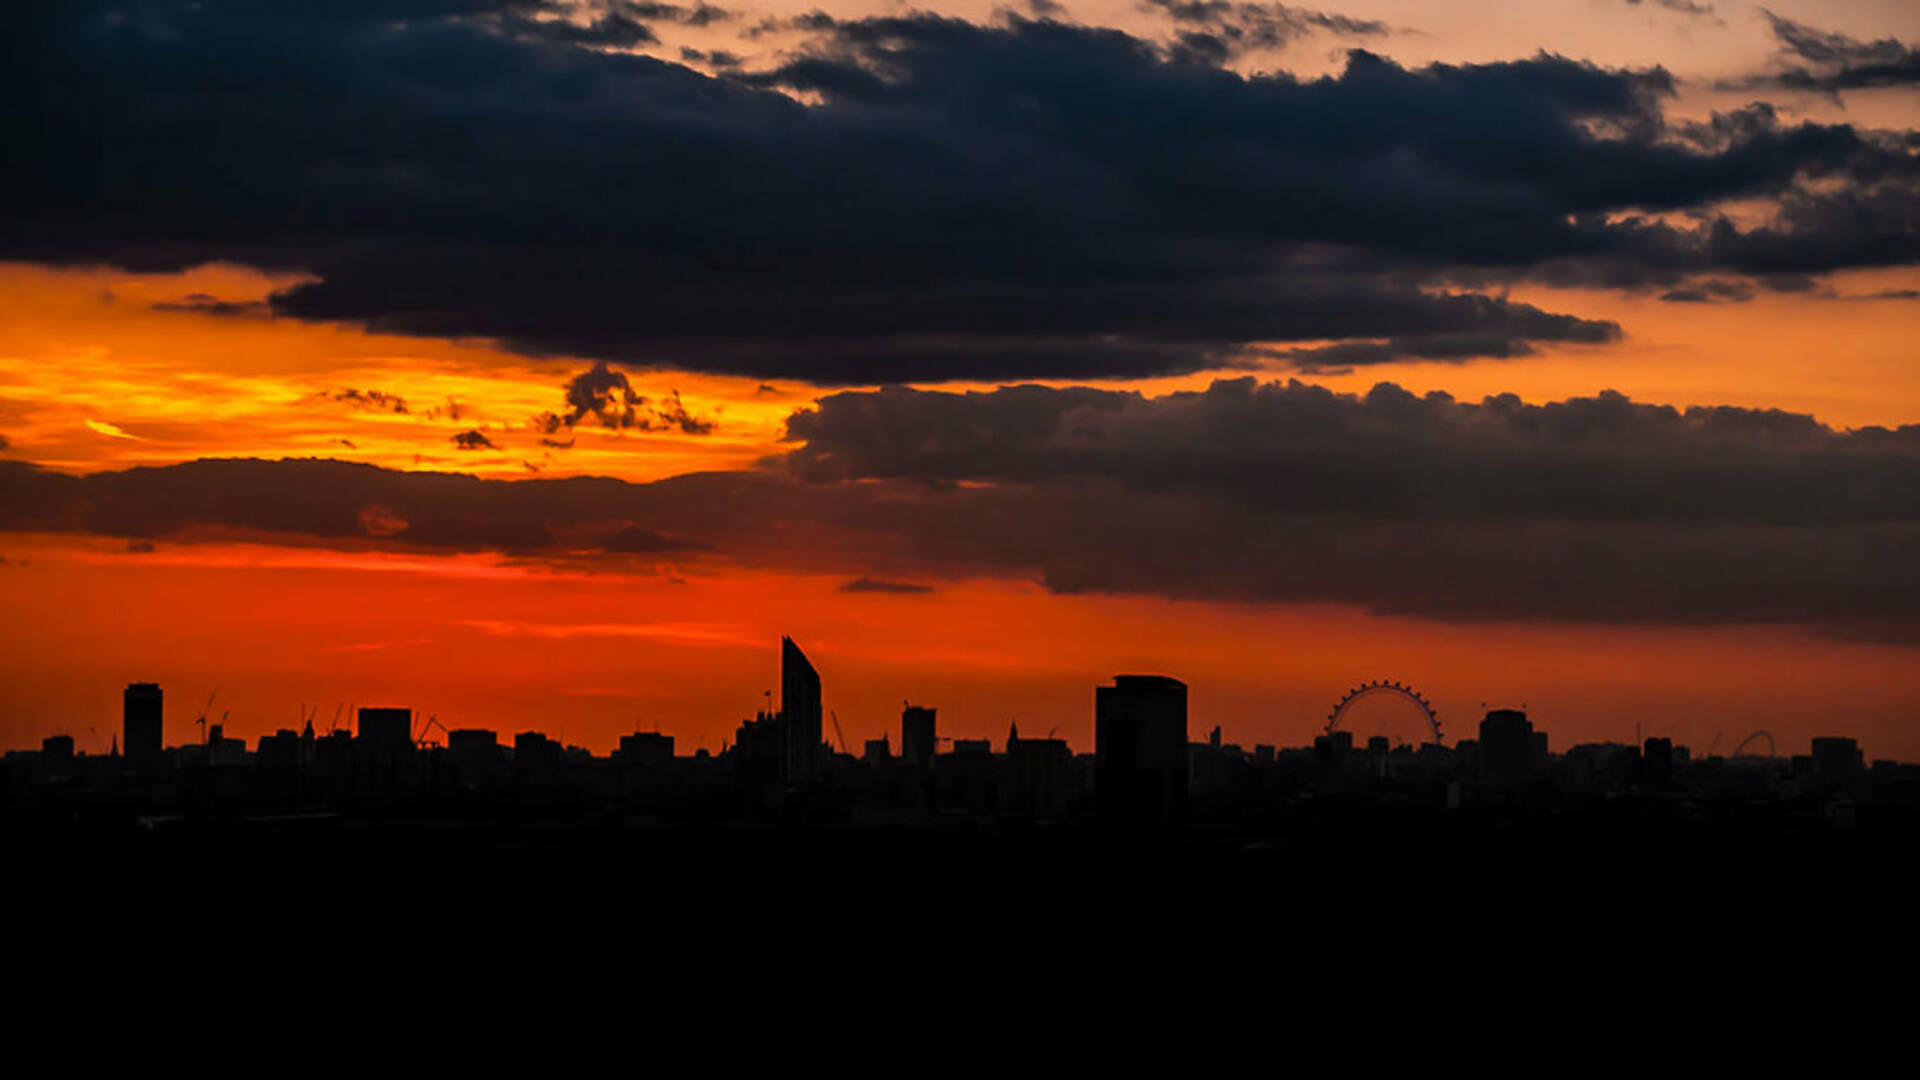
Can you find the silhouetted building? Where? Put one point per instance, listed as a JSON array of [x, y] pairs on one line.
[[476, 756], [1140, 750], [1039, 772], [646, 748], [760, 750], [1836, 762], [390, 729], [534, 752], [799, 712], [221, 750], [917, 736], [472, 742], [1595, 767], [141, 724], [1510, 750], [56, 749], [282, 749], [968, 777], [1656, 761], [878, 751]]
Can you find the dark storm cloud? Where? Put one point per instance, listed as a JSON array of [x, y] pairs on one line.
[[716, 58], [1828, 62], [1682, 7], [1581, 510], [605, 395], [1217, 31], [881, 585], [1710, 292], [1293, 448], [961, 201], [203, 304], [608, 397], [1455, 348], [368, 400], [324, 501]]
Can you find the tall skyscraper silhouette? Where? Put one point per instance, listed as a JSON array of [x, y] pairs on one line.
[[1140, 750], [142, 724], [917, 736], [799, 711]]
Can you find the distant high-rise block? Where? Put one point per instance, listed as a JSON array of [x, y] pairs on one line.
[[141, 724], [1038, 772], [1510, 750], [799, 712], [56, 749], [1656, 761], [387, 727], [917, 736], [534, 752], [1836, 761], [1140, 749], [649, 748]]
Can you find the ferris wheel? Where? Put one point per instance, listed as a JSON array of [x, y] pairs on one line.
[[1384, 687]]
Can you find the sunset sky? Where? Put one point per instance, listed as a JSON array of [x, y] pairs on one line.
[[537, 364]]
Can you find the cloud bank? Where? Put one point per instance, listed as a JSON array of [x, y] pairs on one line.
[[1591, 509], [902, 199]]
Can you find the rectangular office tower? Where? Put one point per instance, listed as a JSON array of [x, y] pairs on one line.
[[917, 736], [1140, 750], [392, 728], [142, 727], [799, 712]]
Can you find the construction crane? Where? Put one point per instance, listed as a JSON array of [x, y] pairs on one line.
[[432, 722], [841, 735], [204, 709]]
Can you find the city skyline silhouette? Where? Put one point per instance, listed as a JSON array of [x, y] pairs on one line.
[[1213, 417], [1145, 773]]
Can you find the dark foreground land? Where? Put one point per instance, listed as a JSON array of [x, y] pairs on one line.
[[1350, 870], [1347, 915]]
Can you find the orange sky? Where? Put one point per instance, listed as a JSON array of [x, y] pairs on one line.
[[93, 377], [484, 644], [481, 644]]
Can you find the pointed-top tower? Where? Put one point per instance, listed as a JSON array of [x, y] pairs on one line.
[[799, 712]]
